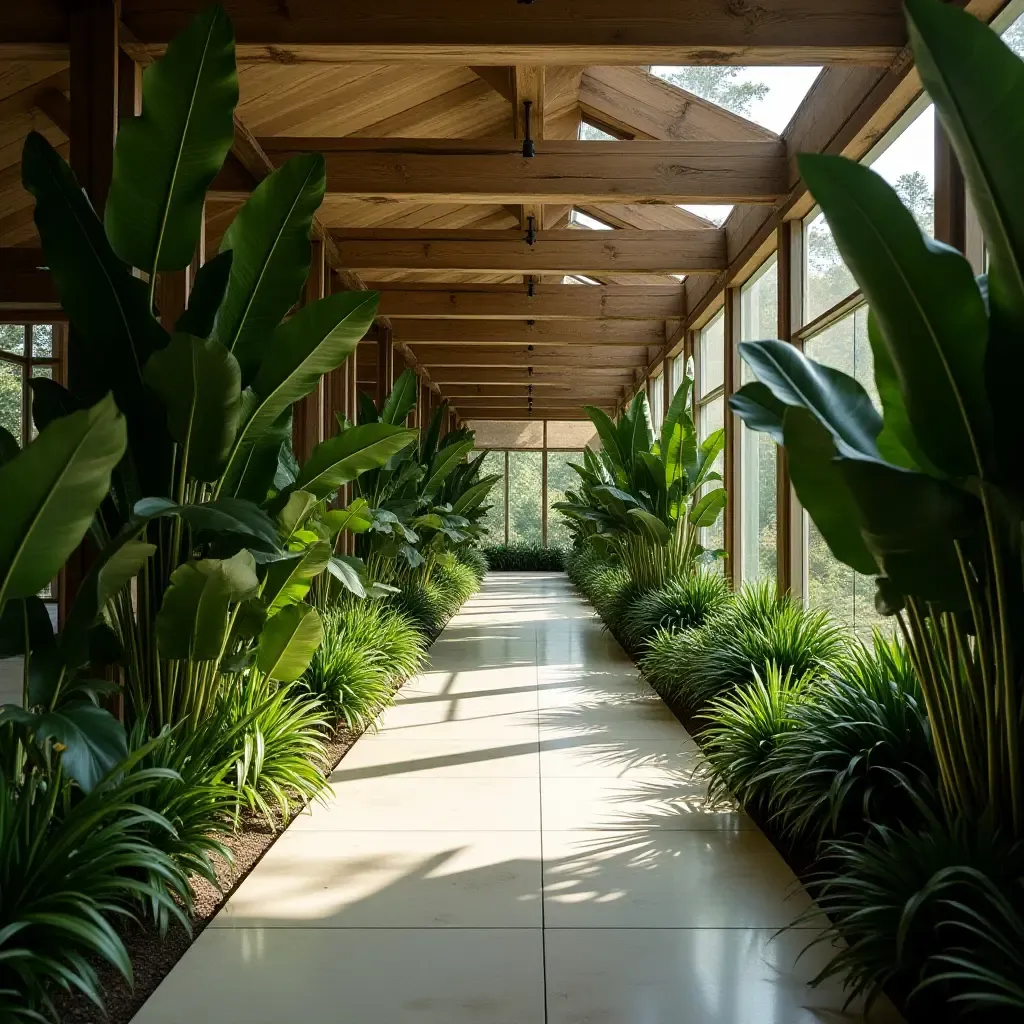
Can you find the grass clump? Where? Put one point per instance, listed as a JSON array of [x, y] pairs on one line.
[[524, 558], [681, 604]]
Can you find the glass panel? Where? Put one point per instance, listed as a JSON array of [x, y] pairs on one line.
[[494, 521], [11, 397], [769, 96], [907, 161], [712, 356], [714, 213], [759, 310], [678, 371], [39, 371], [831, 585], [590, 133], [656, 397], [1014, 36], [826, 279], [524, 498], [560, 479], [42, 341], [711, 417], [12, 338]]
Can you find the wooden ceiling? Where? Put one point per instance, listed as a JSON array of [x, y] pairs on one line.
[[419, 109]]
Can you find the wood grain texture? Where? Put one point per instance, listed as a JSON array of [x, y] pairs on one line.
[[565, 333], [604, 357]]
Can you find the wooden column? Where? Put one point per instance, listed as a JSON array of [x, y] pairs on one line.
[[385, 364], [94, 56], [308, 412], [784, 553], [950, 194], [544, 489], [733, 564], [666, 384]]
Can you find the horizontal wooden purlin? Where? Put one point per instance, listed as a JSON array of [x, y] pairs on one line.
[[577, 377], [548, 302], [539, 402], [502, 413], [25, 283], [523, 332], [576, 32], [494, 171], [568, 251], [497, 392], [607, 357]]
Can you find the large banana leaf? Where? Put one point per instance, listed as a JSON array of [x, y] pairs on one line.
[[288, 642], [444, 463], [929, 311], [51, 491], [207, 294], [297, 509], [342, 458], [355, 517], [270, 241], [316, 340], [473, 496], [200, 384], [289, 579], [707, 509], [402, 399], [607, 432], [231, 516], [165, 159]]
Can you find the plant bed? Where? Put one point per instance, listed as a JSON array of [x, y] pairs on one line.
[[524, 558]]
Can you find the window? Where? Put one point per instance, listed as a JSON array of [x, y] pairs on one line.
[[678, 372], [26, 351], [561, 478], [710, 403], [759, 317], [525, 498], [656, 398], [494, 521]]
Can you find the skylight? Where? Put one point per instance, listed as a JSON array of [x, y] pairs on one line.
[[578, 279], [579, 219], [768, 96], [590, 133], [717, 214]]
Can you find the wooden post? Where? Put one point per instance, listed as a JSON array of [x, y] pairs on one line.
[[308, 412], [506, 497], [784, 553], [544, 489], [94, 55], [950, 194], [666, 384], [733, 567], [385, 364]]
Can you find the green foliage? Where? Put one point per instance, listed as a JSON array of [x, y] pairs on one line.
[[475, 560], [745, 727], [524, 558], [457, 582], [681, 604], [425, 604], [924, 495], [68, 869], [368, 649], [860, 750], [608, 587]]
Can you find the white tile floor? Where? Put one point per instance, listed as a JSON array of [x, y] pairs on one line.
[[523, 842]]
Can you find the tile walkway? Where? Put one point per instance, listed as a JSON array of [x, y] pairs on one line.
[[524, 841]]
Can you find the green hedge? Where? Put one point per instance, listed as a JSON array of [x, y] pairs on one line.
[[524, 558]]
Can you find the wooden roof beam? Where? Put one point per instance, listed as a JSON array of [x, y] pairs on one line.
[[494, 171], [579, 377], [567, 251], [512, 302], [469, 32], [567, 333], [491, 392], [606, 357]]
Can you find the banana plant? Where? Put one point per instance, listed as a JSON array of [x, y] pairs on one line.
[[53, 488], [645, 500], [208, 402], [925, 493]]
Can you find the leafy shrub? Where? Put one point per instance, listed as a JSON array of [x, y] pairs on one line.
[[684, 603], [746, 726], [609, 588], [860, 748], [757, 629], [939, 907], [275, 736], [367, 648], [64, 875], [457, 582], [524, 558], [474, 559]]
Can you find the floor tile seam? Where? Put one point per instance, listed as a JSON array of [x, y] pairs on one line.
[[377, 928]]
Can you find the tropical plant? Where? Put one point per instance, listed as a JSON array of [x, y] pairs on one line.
[[208, 405], [860, 748], [684, 603], [524, 558], [924, 495], [745, 727], [474, 559], [646, 499], [70, 867]]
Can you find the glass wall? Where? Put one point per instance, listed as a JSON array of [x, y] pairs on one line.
[[494, 465], [560, 479], [759, 319], [710, 404], [525, 499], [656, 398], [26, 351]]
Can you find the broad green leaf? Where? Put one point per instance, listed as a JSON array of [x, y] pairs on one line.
[[296, 511], [432, 435], [289, 579], [51, 490], [350, 573], [270, 241], [710, 448], [260, 471], [342, 458], [823, 491], [316, 340], [288, 642], [402, 400], [355, 517], [444, 463], [759, 409], [205, 296], [676, 411], [108, 306], [926, 304], [9, 447], [93, 739], [652, 526], [474, 496], [707, 509], [200, 385], [21, 618], [834, 398], [367, 410], [165, 159], [230, 516], [977, 85], [642, 434], [607, 432]]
